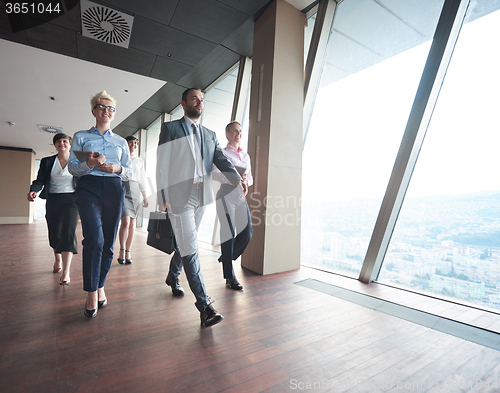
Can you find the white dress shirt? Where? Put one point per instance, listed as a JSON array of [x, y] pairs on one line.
[[198, 170]]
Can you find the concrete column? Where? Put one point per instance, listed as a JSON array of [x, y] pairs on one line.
[[275, 139]]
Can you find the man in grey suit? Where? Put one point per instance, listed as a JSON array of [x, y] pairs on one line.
[[186, 152]]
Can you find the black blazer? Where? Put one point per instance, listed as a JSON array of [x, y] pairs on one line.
[[43, 177]]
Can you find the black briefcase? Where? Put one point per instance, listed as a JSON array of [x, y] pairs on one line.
[[160, 233]]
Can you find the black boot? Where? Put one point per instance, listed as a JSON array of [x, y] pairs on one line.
[[173, 282], [209, 316]]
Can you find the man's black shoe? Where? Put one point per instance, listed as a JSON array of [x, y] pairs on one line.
[[209, 316], [173, 282]]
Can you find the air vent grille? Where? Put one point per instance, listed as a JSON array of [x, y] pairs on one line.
[[106, 24], [50, 129]]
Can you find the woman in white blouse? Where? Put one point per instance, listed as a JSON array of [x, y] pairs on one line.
[[61, 209], [134, 187], [232, 210]]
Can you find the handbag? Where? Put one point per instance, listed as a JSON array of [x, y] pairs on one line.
[[160, 233]]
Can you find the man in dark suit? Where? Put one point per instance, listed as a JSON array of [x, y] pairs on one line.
[[186, 152]]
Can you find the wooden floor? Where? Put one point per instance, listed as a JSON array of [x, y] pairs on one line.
[[276, 337]]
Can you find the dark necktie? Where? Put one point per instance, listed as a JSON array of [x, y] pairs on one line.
[[196, 133]]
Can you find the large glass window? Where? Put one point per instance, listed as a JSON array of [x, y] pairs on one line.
[[374, 60], [447, 238], [177, 113]]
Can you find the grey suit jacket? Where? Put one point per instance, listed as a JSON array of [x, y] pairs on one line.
[[175, 165]]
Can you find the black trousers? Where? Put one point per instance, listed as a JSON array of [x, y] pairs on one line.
[[235, 226], [61, 214], [100, 203]]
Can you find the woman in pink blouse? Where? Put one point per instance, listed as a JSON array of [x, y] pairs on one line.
[[232, 209]]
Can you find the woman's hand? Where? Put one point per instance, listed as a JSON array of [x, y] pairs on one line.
[[110, 168], [31, 196], [243, 186], [245, 180], [95, 159]]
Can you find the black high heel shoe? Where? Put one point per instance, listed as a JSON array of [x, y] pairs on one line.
[[102, 303], [127, 261], [90, 313], [121, 261]]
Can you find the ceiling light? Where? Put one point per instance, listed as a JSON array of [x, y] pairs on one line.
[[50, 129]]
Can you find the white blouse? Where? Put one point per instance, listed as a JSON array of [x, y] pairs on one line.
[[138, 172], [61, 181]]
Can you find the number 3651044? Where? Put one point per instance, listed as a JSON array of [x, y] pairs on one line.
[[32, 8]]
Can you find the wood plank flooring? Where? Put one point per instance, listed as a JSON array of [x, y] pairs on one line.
[[276, 337]]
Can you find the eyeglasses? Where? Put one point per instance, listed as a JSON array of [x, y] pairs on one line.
[[104, 107]]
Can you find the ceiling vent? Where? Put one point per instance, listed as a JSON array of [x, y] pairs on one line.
[[105, 24], [50, 129]]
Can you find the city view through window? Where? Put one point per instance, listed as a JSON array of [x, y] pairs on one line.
[[354, 134], [447, 238]]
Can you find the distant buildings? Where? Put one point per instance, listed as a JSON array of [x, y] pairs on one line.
[[453, 251]]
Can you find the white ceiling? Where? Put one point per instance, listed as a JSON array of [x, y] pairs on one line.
[[31, 76], [300, 4]]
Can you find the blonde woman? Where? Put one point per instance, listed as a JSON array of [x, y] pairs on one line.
[[99, 195], [232, 209]]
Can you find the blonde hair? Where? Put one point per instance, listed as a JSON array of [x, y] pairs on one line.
[[103, 95], [228, 127]]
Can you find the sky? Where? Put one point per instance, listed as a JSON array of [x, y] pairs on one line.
[[358, 123]]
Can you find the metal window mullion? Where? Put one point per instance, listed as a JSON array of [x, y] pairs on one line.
[[242, 89], [444, 41], [316, 57]]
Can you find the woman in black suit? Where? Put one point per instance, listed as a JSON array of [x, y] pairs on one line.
[[58, 189]]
